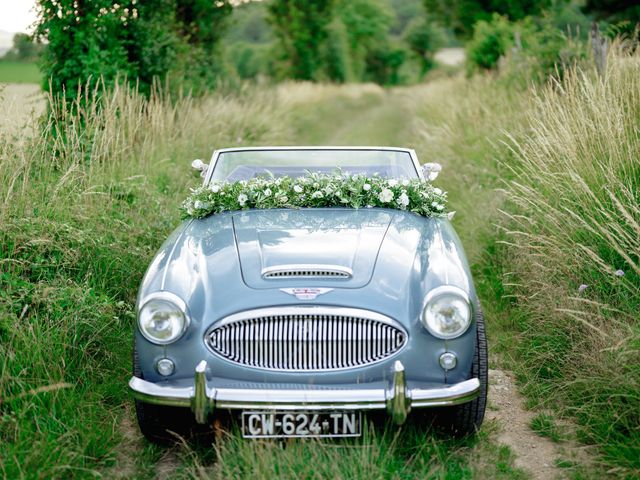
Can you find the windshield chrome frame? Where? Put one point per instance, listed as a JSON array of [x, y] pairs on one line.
[[217, 153]]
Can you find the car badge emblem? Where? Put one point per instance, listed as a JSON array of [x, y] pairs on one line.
[[306, 293]]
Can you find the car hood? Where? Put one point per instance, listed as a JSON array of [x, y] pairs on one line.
[[278, 248], [215, 264]]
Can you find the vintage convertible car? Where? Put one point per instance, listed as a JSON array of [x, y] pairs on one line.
[[298, 321]]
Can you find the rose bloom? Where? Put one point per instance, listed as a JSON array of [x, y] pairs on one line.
[[386, 195]]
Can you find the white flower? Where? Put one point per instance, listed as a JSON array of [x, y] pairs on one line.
[[267, 192], [431, 171], [385, 195], [450, 215], [440, 207], [403, 200], [283, 199], [317, 194], [242, 199], [198, 204], [215, 188], [366, 187], [297, 189], [392, 182], [405, 182], [619, 273], [437, 191]]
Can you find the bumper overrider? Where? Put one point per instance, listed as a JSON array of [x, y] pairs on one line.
[[397, 399]]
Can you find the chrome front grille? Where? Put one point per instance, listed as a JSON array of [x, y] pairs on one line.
[[306, 339], [306, 271]]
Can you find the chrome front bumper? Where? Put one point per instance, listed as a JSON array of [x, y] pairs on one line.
[[397, 399]]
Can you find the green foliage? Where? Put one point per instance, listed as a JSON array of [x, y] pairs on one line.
[[615, 11], [24, 49], [301, 29], [384, 62], [146, 41], [337, 53], [424, 38], [490, 41], [367, 25], [462, 15], [533, 49]]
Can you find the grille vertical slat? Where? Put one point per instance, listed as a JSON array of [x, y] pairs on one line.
[[306, 341]]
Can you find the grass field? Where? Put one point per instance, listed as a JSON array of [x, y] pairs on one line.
[[19, 72], [545, 187]]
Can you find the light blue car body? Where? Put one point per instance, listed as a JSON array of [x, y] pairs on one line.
[[214, 264]]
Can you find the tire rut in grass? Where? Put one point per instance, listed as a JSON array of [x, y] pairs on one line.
[[535, 454]]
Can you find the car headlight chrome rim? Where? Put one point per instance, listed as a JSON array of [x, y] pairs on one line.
[[163, 318], [447, 312]]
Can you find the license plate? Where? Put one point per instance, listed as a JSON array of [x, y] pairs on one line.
[[301, 424]]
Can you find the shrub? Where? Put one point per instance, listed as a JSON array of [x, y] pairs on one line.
[[424, 39], [490, 41]]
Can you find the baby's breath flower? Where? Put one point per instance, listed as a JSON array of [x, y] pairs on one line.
[[337, 190]]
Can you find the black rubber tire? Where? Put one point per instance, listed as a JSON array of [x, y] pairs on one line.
[[466, 419], [166, 425]]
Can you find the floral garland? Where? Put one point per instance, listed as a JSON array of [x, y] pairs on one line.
[[315, 190]]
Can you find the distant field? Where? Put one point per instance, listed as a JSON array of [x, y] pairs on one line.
[[20, 106], [19, 72]]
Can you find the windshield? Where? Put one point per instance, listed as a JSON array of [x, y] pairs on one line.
[[246, 164]]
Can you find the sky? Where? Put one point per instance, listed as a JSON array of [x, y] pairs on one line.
[[17, 15]]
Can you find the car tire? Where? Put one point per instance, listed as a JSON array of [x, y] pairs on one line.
[[466, 419], [165, 425]]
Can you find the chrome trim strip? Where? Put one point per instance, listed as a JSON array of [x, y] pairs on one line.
[[326, 342], [398, 400], [313, 270]]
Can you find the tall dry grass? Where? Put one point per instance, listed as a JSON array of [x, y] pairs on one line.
[[573, 238], [83, 207]]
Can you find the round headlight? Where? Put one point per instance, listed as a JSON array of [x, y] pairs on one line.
[[447, 312], [162, 319]]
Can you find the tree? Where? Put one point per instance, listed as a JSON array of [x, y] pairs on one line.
[[367, 24], [461, 15], [624, 14], [139, 40], [301, 29], [424, 39], [24, 49]]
